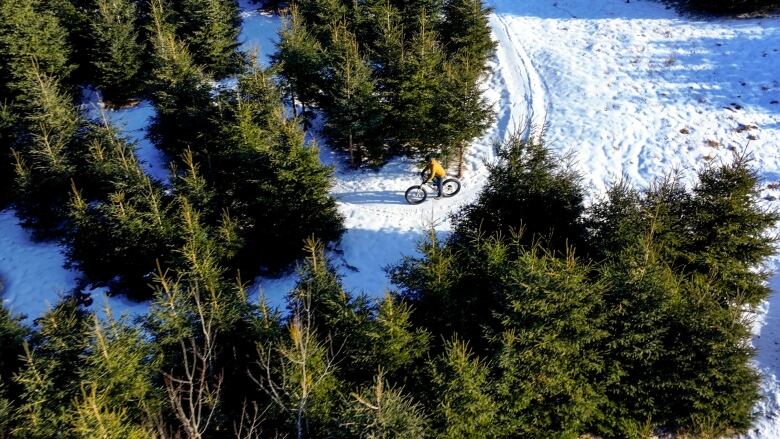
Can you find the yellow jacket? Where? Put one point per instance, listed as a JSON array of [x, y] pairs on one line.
[[436, 169]]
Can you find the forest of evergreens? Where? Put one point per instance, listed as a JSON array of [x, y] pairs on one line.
[[539, 316]]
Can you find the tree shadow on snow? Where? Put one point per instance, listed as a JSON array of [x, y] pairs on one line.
[[371, 197], [578, 9]]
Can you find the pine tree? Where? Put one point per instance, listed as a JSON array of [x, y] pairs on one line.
[[729, 232], [382, 411], [118, 397], [180, 90], [465, 405], [116, 49], [549, 357], [354, 112], [49, 379], [466, 30], [299, 59], [419, 89], [43, 158], [530, 190], [210, 29], [29, 33]]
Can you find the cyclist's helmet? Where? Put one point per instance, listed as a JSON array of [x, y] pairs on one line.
[[428, 157]]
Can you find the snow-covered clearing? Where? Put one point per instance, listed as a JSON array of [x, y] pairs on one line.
[[633, 89]]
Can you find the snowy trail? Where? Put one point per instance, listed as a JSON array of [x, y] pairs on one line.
[[381, 226], [527, 106]]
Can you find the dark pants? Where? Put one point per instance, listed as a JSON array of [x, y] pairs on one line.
[[437, 181]]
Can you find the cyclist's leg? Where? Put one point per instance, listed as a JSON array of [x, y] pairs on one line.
[[438, 181]]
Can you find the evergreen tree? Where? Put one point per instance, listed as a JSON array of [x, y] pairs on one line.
[[12, 338], [210, 29], [729, 232], [298, 376], [412, 10], [118, 241], [711, 382], [118, 398], [279, 190], [369, 336], [44, 159], [30, 33], [382, 411], [180, 90], [462, 112], [299, 59], [116, 51], [418, 92], [466, 407], [530, 190], [49, 379], [466, 30], [549, 357], [638, 302], [354, 112], [8, 132], [321, 15]]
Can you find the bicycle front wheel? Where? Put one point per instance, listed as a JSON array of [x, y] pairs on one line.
[[415, 195]]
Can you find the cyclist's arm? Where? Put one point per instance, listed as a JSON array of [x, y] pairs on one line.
[[425, 169]]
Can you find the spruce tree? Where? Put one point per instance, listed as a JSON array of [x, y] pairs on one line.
[[118, 396], [116, 51], [413, 10], [463, 112], [549, 357], [465, 406], [532, 191], [354, 112], [384, 411], [710, 382], [50, 378], [299, 59], [12, 338], [638, 302], [210, 29], [729, 231], [29, 32], [418, 92], [180, 91], [466, 30], [321, 15], [43, 157], [279, 190]]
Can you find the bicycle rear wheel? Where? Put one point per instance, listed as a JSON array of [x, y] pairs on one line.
[[415, 195], [450, 187]]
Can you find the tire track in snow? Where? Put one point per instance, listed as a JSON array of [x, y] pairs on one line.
[[527, 92]]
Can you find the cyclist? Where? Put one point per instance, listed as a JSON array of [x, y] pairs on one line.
[[437, 173]]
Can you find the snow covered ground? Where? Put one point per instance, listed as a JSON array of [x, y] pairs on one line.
[[633, 89]]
